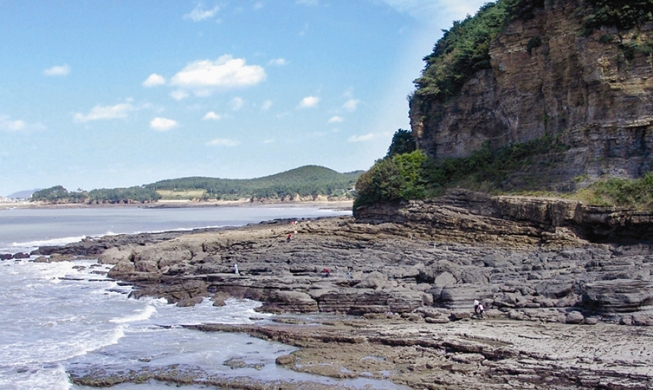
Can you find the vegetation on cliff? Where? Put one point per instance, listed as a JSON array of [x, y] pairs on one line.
[[465, 48], [415, 176]]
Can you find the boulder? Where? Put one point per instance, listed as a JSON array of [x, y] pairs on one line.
[[574, 317], [116, 254], [618, 296], [375, 280], [292, 301], [285, 360]]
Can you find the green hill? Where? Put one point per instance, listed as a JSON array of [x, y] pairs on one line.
[[307, 181]]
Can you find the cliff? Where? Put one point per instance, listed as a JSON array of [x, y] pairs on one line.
[[547, 76]]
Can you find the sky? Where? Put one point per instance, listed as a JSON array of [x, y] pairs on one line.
[[121, 93]]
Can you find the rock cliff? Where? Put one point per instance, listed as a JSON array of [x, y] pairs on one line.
[[547, 78]]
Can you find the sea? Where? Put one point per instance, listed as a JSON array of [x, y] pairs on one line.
[[69, 317]]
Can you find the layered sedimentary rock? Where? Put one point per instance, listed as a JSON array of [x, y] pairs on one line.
[[525, 258], [583, 88]]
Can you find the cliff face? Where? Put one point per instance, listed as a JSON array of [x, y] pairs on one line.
[[581, 88]]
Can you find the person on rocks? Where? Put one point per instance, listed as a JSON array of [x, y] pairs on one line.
[[236, 269], [326, 272], [476, 303], [289, 237], [481, 310], [349, 272]]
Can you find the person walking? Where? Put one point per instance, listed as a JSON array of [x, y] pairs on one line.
[[476, 303]]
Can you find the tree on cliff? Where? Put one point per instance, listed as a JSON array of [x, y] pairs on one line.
[[402, 142]]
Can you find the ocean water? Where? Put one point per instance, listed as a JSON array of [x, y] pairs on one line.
[[68, 317]]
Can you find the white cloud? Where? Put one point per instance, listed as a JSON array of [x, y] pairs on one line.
[[236, 103], [211, 115], [307, 2], [153, 80], [266, 105], [278, 62], [351, 104], [179, 94], [6, 124], [335, 119], [309, 101], [119, 111], [268, 141], [62, 70], [163, 124], [361, 138], [206, 76], [258, 5], [199, 13], [222, 142]]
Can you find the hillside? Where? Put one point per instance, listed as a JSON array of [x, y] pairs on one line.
[[304, 183]]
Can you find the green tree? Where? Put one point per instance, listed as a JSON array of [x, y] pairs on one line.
[[402, 142]]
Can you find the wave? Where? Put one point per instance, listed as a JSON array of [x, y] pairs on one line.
[[141, 315]]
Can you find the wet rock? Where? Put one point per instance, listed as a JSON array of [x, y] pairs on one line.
[[285, 360]]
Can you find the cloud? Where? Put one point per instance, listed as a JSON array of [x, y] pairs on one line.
[[307, 2], [8, 125], [163, 124], [206, 76], [361, 138], [309, 101], [211, 115], [153, 80], [179, 94], [351, 104], [62, 70], [119, 111], [335, 119], [223, 142], [258, 5], [266, 105], [268, 141], [236, 103], [199, 13], [278, 62]]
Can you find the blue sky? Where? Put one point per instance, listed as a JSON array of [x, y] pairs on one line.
[[103, 94]]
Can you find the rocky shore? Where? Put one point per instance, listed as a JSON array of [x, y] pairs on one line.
[[561, 282]]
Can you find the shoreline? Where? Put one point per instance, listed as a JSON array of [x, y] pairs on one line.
[[347, 204]]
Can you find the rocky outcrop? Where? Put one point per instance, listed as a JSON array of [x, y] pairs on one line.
[[521, 257], [516, 220], [582, 88]]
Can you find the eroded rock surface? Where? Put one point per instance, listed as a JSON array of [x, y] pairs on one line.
[[521, 258]]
